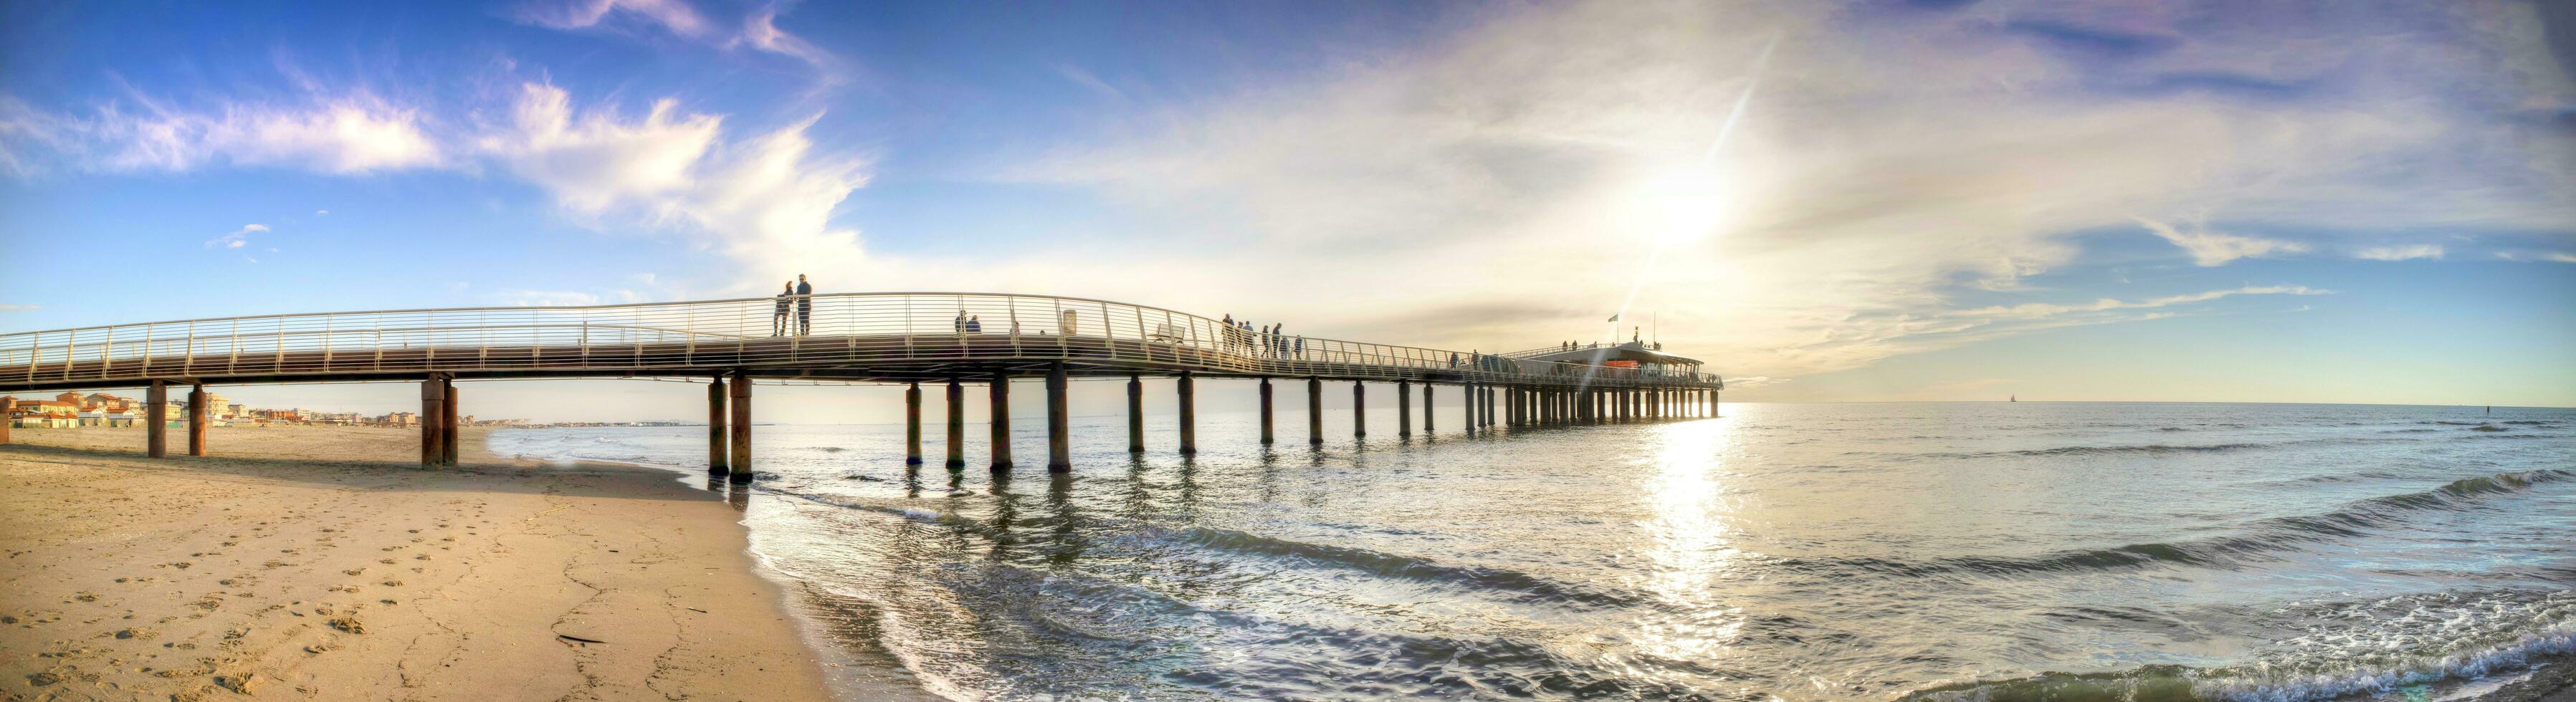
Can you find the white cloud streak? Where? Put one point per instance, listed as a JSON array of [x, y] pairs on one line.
[[237, 238], [758, 29], [348, 135], [2208, 248], [2399, 253]]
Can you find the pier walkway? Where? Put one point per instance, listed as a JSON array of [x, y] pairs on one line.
[[906, 338]]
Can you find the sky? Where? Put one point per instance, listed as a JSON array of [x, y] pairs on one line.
[[2368, 202]]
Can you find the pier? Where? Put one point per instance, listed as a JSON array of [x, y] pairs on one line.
[[906, 339]]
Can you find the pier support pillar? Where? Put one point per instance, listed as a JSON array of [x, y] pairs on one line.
[[156, 420], [1135, 414], [1470, 407], [1426, 408], [956, 425], [1266, 412], [1486, 413], [912, 424], [1315, 411], [197, 419], [1059, 421], [1403, 409], [716, 426], [433, 395], [1189, 414], [740, 428], [447, 434], [1000, 404], [1359, 410]]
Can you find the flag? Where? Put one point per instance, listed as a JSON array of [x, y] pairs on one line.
[[1614, 318]]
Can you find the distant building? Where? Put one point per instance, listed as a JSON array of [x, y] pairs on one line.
[[44, 414]]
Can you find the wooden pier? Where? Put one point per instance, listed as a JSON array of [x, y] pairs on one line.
[[949, 339]]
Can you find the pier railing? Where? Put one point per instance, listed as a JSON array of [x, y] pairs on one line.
[[839, 329]]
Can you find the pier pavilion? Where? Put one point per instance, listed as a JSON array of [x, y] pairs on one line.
[[894, 338]]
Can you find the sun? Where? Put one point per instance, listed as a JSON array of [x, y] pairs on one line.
[[1688, 204]]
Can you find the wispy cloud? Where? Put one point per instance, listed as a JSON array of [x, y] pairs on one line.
[[1092, 82], [350, 134], [16, 308], [237, 238], [2208, 248], [765, 200], [2399, 253], [2038, 310], [758, 29]]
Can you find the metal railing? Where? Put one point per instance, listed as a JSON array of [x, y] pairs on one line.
[[845, 329]]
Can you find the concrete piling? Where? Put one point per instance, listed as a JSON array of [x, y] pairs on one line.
[[1000, 404], [1315, 411], [739, 427], [433, 394], [1359, 410], [449, 430], [1059, 421], [1403, 409], [956, 425], [716, 426], [1189, 415], [197, 419], [1135, 414], [1426, 408], [156, 418], [912, 424], [1266, 412]]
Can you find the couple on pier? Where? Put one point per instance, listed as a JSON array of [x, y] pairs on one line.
[[799, 295]]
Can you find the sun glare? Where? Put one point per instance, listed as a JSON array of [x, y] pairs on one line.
[[1689, 205]]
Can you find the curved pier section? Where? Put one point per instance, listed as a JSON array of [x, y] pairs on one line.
[[896, 338]]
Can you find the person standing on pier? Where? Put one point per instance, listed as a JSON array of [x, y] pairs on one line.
[[975, 324], [778, 319], [804, 306], [960, 323]]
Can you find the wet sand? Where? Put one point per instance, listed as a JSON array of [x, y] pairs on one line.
[[323, 563]]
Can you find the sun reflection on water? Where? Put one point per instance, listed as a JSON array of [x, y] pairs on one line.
[[1688, 546]]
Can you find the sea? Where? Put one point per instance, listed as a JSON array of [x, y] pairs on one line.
[[1968, 551]]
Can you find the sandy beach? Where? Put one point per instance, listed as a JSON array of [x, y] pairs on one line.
[[323, 563]]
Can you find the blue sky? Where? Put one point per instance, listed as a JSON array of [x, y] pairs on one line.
[[1931, 200]]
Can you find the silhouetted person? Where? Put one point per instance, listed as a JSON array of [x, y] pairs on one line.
[[960, 324], [975, 324], [804, 306], [778, 319]]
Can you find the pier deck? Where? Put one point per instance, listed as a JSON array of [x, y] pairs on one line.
[[906, 338]]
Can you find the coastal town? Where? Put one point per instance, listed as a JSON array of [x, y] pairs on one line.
[[72, 409]]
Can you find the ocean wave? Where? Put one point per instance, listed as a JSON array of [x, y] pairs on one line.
[[2113, 450], [2407, 640], [1396, 566], [2277, 534]]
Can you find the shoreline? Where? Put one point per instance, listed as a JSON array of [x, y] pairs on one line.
[[856, 665], [323, 563]]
